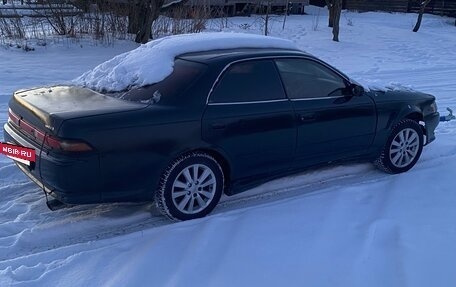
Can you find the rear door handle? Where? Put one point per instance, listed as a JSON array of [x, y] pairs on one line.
[[218, 126]]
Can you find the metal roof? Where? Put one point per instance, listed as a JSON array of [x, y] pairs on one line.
[[230, 55]]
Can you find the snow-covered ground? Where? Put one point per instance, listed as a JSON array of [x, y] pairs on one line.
[[348, 225]]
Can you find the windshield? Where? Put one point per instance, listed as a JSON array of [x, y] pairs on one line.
[[183, 75]]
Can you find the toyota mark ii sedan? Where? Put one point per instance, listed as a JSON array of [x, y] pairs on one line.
[[222, 122]]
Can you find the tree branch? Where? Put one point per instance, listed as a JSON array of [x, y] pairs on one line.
[[171, 5]]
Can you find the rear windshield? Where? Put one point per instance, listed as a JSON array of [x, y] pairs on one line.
[[183, 75]]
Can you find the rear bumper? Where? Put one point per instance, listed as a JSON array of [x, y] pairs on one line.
[[70, 179], [431, 122]]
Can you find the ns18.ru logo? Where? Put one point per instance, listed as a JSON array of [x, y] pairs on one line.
[[18, 153]]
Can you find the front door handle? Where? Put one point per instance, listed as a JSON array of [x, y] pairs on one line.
[[305, 118]]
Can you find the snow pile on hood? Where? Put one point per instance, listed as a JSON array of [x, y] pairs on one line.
[[375, 85], [152, 62]]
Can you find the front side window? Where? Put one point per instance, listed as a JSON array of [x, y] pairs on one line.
[[250, 81], [308, 79]]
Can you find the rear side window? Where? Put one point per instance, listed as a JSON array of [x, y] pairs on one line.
[[250, 81], [183, 75]]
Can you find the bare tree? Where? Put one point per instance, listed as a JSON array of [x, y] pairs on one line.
[[143, 13], [423, 5], [59, 17], [335, 9], [286, 14], [181, 20], [263, 7], [266, 18], [329, 4]]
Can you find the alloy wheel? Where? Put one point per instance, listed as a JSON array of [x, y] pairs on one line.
[[194, 188], [404, 147]]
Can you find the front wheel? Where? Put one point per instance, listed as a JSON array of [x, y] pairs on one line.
[[190, 187], [402, 149]]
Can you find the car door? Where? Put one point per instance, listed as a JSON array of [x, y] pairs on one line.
[[250, 119], [332, 122]]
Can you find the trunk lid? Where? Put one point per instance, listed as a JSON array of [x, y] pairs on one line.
[[47, 108]]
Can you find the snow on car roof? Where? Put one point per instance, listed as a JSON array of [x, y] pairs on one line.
[[154, 61]]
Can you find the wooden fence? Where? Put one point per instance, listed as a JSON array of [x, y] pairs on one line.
[[37, 10], [439, 7]]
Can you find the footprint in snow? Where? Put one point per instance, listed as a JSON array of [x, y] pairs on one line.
[[25, 273]]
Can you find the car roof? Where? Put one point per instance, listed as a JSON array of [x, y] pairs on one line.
[[226, 56]]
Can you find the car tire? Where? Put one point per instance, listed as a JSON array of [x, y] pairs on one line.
[[190, 187], [402, 149]]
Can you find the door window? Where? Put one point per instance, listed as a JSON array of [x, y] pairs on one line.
[[308, 79], [250, 81]]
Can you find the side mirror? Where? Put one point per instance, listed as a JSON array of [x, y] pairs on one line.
[[356, 90]]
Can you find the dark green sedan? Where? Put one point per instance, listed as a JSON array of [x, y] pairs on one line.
[[222, 122]]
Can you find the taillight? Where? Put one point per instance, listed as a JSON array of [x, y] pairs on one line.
[[12, 117], [63, 145], [50, 142], [73, 146]]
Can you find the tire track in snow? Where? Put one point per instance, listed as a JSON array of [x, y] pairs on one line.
[[382, 256], [55, 255], [322, 181], [25, 238], [310, 183], [325, 184]]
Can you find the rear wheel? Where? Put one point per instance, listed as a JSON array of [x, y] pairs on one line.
[[402, 149], [190, 187]]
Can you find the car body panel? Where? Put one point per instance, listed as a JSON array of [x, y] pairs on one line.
[[260, 136], [69, 178], [393, 106], [133, 143], [345, 126], [48, 107]]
